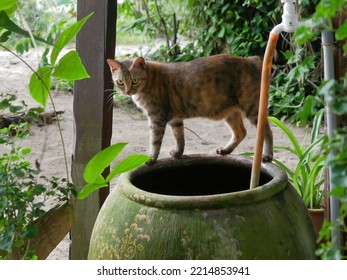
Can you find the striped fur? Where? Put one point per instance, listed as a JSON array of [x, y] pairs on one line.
[[216, 87]]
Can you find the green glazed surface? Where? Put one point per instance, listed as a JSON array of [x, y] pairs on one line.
[[201, 207]]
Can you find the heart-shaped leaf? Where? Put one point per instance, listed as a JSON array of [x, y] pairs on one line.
[[70, 67], [40, 83]]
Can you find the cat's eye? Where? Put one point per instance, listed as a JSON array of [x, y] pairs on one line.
[[135, 81], [120, 83]]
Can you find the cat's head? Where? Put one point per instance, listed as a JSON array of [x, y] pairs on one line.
[[129, 76]]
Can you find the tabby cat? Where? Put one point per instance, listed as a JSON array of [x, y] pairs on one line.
[[216, 87]]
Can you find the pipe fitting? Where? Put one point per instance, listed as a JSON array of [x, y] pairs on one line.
[[290, 20]]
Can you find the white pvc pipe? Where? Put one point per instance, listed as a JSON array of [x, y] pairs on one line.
[[329, 73]]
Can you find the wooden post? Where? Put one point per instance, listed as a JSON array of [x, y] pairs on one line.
[[92, 116]]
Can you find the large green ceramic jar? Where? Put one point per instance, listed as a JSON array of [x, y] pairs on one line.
[[201, 207]]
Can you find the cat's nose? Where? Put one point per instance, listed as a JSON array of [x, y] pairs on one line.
[[127, 90]]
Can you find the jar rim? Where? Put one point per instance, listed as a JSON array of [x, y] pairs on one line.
[[276, 184]]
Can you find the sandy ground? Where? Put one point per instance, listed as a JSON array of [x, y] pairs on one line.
[[47, 147]]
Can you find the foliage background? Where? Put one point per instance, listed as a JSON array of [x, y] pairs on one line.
[[192, 29], [187, 29]]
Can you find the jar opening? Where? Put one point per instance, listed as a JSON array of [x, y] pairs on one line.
[[196, 179]]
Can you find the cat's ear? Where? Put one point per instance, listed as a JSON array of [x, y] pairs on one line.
[[139, 62], [114, 64]]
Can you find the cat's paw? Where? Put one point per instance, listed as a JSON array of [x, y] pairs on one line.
[[267, 158], [176, 154], [221, 151], [151, 161]]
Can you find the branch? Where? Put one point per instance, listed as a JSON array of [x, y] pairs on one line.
[[149, 17], [164, 24]]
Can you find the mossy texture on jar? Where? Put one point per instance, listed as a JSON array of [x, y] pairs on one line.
[[201, 207]]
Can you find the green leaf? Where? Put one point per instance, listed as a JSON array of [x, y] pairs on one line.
[[286, 168], [339, 191], [225, 7], [303, 34], [8, 24], [31, 231], [7, 238], [289, 134], [306, 109], [7, 4], [26, 151], [345, 48], [3, 200], [89, 188], [328, 87], [66, 36], [70, 67], [100, 161], [4, 36], [328, 9], [129, 163], [340, 107], [40, 83], [317, 121], [221, 32], [18, 172], [341, 32], [212, 29]]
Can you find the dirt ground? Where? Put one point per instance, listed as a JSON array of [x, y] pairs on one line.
[[202, 136]]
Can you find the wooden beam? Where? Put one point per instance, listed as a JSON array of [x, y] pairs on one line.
[[52, 228], [92, 116]]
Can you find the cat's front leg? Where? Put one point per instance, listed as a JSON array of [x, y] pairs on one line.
[[157, 130], [177, 127], [268, 144], [238, 133]]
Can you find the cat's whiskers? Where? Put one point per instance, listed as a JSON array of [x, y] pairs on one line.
[[110, 98]]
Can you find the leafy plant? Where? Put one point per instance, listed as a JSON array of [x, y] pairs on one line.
[[293, 91], [210, 27], [308, 176], [96, 166], [336, 148], [335, 151], [16, 113], [226, 26], [53, 18], [23, 191], [68, 67], [23, 195]]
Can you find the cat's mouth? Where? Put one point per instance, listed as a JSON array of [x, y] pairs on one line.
[[128, 93]]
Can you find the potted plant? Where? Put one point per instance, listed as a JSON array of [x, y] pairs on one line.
[[308, 176]]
